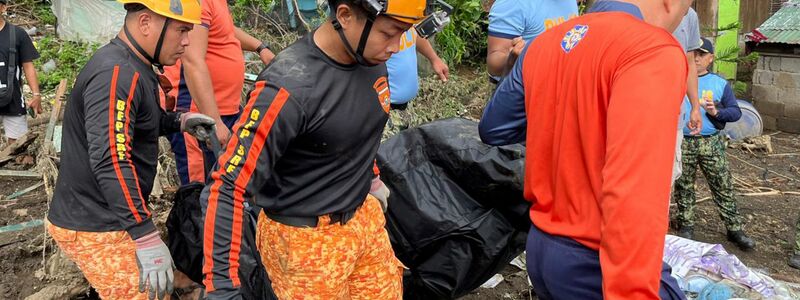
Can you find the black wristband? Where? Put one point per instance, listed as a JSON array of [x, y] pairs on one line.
[[261, 47]]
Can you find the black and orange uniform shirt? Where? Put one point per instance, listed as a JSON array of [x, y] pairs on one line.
[[304, 146], [110, 145]]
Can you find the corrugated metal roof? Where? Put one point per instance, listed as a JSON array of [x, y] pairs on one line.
[[784, 26]]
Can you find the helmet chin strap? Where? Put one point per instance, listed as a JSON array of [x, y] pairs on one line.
[[152, 59], [358, 54]]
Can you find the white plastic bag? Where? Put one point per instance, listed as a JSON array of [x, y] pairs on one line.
[[95, 21]]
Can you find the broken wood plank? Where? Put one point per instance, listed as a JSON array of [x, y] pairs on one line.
[[783, 154], [8, 153], [51, 125], [57, 138], [25, 191], [21, 226], [14, 173], [40, 121]]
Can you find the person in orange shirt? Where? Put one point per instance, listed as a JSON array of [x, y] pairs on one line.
[[589, 99], [209, 78]]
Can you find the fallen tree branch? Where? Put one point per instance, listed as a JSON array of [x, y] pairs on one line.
[[772, 192], [11, 243], [760, 168], [775, 133], [45, 163], [8, 153], [783, 154]]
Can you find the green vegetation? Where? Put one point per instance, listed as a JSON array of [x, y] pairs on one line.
[[464, 95], [733, 55], [69, 58], [45, 14], [266, 20], [464, 40], [241, 9], [35, 9]]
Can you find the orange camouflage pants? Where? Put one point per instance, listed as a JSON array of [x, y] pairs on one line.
[[332, 261], [107, 260]]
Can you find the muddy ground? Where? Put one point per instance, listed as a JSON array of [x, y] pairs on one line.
[[770, 221]]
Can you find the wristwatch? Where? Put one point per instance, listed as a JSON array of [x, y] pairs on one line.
[[261, 47]]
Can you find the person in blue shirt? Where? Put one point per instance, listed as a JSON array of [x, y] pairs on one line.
[[403, 79], [512, 23], [707, 150]]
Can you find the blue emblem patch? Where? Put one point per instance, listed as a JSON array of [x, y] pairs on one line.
[[176, 7], [573, 37]]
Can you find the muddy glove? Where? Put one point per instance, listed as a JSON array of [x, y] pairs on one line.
[[155, 266], [380, 191], [197, 124]]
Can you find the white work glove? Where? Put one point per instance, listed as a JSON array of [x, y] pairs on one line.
[[155, 266], [197, 124], [379, 190]]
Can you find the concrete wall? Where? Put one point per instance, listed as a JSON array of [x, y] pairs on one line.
[[776, 92]]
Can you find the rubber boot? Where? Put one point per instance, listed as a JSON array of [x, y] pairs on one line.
[[741, 240]]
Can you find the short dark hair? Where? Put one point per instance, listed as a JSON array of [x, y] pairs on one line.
[[133, 9], [354, 5]]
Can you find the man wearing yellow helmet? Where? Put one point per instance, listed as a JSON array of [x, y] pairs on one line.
[[99, 215], [208, 79], [303, 153]]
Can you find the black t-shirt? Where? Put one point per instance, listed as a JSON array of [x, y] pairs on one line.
[[304, 146], [26, 52], [110, 145]]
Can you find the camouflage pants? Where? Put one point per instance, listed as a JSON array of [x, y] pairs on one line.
[[709, 154]]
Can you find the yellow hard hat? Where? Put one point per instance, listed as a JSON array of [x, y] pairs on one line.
[[407, 11], [182, 10], [428, 16]]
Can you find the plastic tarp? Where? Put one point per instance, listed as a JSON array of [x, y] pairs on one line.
[[691, 260], [185, 241], [749, 125], [95, 21], [456, 213]]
